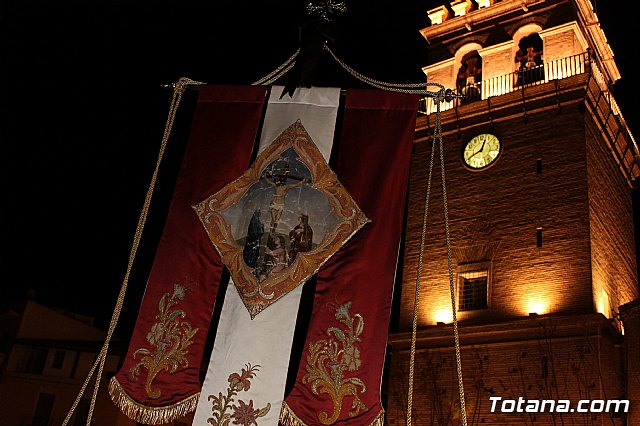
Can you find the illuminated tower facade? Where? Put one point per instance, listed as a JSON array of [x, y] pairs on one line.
[[540, 172]]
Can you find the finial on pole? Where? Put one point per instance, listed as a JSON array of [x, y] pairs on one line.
[[326, 9]]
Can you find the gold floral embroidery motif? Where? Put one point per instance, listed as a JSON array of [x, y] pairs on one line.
[[329, 359], [243, 414], [170, 337]]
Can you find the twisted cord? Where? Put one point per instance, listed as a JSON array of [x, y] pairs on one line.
[[441, 94], [412, 88], [437, 136], [463, 410], [277, 76], [278, 72], [179, 89], [419, 279]]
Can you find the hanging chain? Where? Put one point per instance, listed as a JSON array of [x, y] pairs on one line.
[[437, 136], [178, 90]]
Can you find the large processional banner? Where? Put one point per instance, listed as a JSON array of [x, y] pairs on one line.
[[274, 224]]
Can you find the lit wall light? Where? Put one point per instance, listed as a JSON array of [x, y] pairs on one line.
[[536, 305], [602, 303], [600, 306], [443, 315]]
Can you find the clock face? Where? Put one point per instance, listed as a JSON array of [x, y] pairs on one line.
[[481, 151]]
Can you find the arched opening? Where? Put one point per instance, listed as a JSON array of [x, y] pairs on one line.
[[469, 76], [528, 59]]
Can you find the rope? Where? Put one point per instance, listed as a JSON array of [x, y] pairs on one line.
[[437, 135], [278, 72], [412, 88], [179, 88], [419, 276], [440, 96], [274, 78], [463, 410]]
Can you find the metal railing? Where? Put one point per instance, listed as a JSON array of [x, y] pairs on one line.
[[517, 80], [598, 96]]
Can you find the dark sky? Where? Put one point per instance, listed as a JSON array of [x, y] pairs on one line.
[[83, 112]]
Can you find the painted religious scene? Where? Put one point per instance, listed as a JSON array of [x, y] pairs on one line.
[[280, 216], [281, 220]]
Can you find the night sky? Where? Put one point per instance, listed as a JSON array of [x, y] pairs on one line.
[[83, 111]]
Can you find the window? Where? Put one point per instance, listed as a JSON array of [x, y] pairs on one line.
[[539, 237], [36, 361], [58, 359], [473, 286]]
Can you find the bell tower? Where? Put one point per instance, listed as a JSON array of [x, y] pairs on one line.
[[539, 171]]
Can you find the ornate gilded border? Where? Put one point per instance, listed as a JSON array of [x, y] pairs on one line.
[[257, 295]]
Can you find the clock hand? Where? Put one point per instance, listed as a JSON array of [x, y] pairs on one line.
[[480, 150]]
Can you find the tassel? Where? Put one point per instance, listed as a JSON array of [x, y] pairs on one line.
[[288, 418], [149, 415]]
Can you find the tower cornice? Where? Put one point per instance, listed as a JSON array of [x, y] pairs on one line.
[[497, 12]]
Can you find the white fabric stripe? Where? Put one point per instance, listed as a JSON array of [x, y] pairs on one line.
[[266, 340], [317, 109]]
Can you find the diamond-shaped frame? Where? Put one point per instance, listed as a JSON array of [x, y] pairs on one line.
[[258, 295]]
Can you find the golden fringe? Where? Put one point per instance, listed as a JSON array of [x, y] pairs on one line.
[[149, 415], [289, 418]]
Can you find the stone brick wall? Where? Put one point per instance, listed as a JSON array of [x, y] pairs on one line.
[[561, 45], [613, 252], [494, 215], [498, 62], [542, 368]]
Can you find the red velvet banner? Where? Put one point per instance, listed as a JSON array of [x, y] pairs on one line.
[[340, 372], [159, 379]]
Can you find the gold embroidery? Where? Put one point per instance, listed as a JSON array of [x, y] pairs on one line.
[[329, 359], [243, 414], [289, 418], [170, 338]]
